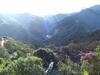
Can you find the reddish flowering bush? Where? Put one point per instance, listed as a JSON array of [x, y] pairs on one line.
[[86, 55]]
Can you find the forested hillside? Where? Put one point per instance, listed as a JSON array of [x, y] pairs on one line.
[[61, 44]]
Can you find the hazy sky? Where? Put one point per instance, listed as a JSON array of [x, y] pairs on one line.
[[45, 7]]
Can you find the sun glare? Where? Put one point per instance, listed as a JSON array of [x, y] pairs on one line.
[[45, 7]]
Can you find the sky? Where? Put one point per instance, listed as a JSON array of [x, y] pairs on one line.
[[45, 7]]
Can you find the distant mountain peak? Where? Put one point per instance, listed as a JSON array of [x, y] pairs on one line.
[[95, 7]]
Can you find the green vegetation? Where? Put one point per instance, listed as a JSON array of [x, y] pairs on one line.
[[23, 66], [17, 58]]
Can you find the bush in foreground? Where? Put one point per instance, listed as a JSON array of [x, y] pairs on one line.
[[23, 66]]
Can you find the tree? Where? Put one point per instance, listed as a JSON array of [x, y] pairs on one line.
[[47, 55]]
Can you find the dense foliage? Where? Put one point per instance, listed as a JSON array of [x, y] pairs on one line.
[[17, 58], [23, 66], [47, 55]]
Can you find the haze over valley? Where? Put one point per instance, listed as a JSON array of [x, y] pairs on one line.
[[49, 37]]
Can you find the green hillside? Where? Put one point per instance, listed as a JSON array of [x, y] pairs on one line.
[[17, 58]]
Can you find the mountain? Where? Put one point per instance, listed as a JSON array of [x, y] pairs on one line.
[[23, 27], [77, 25], [27, 27], [57, 29]]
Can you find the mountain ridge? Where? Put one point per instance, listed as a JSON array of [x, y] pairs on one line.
[[34, 29]]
